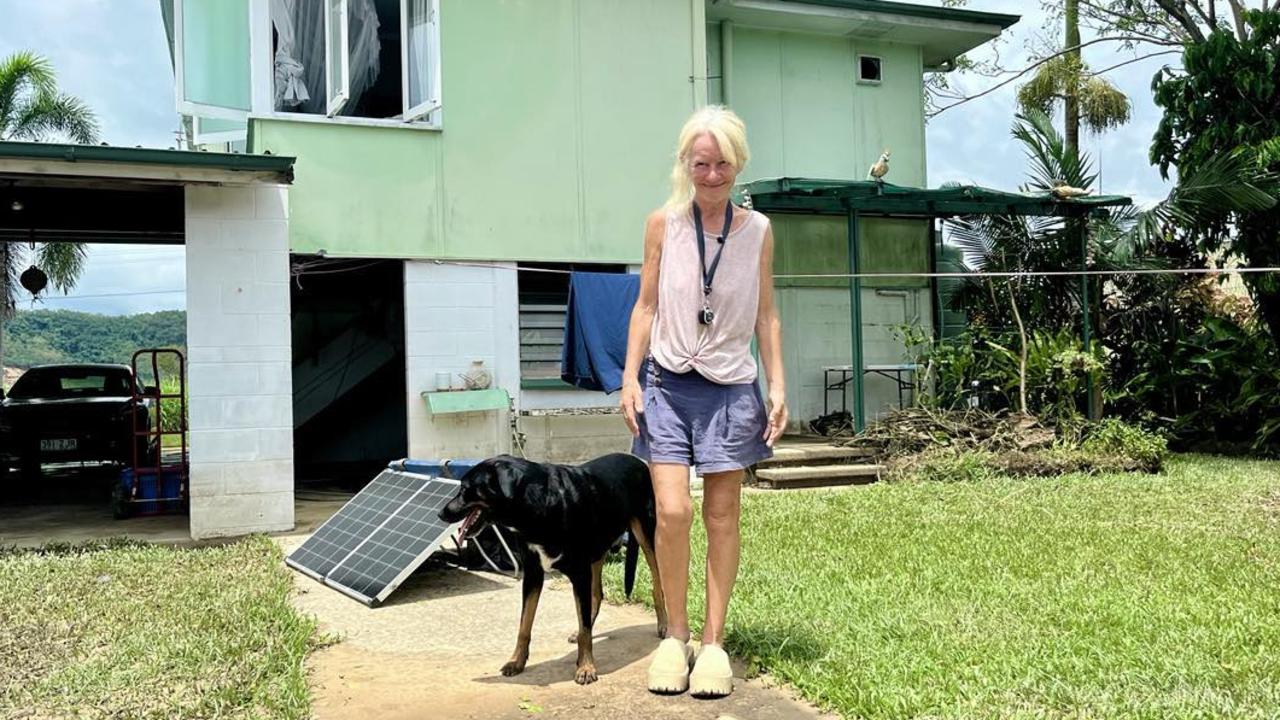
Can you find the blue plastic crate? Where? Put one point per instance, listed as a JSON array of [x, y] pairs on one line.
[[149, 491]]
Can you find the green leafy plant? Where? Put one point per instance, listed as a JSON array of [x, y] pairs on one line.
[[985, 365], [1113, 437]]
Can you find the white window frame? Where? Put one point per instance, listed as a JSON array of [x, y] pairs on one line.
[[426, 116], [431, 114], [194, 109], [334, 102], [425, 108], [879, 63], [208, 138]]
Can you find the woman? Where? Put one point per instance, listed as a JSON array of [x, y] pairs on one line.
[[689, 389]]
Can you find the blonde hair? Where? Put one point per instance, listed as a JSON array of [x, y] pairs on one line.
[[729, 132]]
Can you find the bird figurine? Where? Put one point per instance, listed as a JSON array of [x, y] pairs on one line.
[[1063, 191], [880, 168]]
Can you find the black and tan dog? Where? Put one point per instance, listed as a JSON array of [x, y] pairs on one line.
[[567, 517]]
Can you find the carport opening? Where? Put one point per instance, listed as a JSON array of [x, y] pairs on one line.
[[349, 400], [67, 432]]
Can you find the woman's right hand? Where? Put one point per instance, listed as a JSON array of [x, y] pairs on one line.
[[632, 401]]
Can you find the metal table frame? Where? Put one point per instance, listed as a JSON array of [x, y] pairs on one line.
[[892, 372]]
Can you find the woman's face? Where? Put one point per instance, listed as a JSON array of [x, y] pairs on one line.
[[713, 176]]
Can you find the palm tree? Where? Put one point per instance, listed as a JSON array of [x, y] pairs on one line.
[[1086, 98], [33, 109], [1127, 238]]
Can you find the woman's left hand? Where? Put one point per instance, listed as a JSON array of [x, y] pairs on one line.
[[777, 417]]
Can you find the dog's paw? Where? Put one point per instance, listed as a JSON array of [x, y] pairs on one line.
[[662, 632], [573, 636], [513, 667], [586, 675]]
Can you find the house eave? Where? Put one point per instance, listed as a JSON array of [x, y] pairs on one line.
[[152, 165], [941, 33]]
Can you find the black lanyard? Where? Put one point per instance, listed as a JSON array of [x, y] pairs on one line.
[[709, 275]]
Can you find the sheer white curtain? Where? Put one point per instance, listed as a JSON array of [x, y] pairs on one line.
[[299, 57], [419, 35], [290, 88], [366, 49]]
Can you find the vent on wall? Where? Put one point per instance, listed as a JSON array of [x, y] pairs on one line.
[[869, 69], [870, 29]]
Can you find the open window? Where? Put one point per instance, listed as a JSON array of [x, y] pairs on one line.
[[375, 59], [212, 61], [419, 58], [337, 61], [356, 58], [869, 67], [543, 290]]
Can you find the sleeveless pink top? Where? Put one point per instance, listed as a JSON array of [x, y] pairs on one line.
[[721, 351]]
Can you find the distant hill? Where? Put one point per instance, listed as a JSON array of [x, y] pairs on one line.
[[35, 337]]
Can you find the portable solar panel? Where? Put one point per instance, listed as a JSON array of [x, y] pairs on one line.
[[379, 537]]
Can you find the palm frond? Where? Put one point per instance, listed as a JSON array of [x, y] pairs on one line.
[[23, 69], [970, 236], [48, 113], [1102, 105], [63, 262], [1228, 183], [1051, 162]]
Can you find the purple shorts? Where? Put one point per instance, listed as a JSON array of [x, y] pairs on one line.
[[690, 420]]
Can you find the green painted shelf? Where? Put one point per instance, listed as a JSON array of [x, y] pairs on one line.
[[461, 401]]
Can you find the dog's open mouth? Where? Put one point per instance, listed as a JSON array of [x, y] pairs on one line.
[[471, 524]]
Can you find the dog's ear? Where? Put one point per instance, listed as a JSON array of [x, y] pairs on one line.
[[504, 475]]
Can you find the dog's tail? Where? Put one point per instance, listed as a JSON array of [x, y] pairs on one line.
[[629, 571]]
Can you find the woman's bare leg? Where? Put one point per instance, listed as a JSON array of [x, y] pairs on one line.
[[721, 510], [671, 542]]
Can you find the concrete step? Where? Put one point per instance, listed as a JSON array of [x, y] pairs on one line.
[[804, 476], [812, 454]]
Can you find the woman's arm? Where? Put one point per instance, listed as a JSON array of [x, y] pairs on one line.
[[769, 337], [632, 399]]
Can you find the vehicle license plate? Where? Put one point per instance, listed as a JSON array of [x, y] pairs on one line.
[[57, 444]]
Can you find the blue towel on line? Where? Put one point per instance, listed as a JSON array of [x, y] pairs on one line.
[[595, 329]]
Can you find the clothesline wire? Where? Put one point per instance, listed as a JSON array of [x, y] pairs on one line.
[[943, 275]]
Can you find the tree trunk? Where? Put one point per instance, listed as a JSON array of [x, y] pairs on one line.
[[6, 259], [1098, 332], [1260, 250], [1022, 351], [1269, 309], [1071, 111]]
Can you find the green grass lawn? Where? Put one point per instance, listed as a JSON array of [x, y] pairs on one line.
[[1124, 596], [138, 631]]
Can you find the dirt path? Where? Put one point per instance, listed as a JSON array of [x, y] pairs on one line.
[[434, 651]]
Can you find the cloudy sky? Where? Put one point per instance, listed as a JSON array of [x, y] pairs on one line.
[[113, 55]]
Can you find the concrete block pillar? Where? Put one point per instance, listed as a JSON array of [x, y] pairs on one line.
[[239, 360]]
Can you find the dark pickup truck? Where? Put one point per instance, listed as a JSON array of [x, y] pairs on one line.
[[70, 414]]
